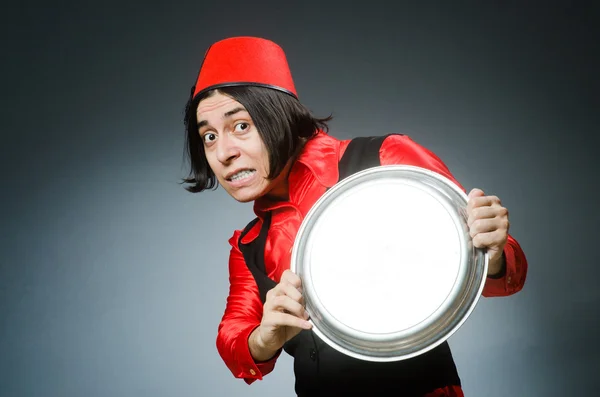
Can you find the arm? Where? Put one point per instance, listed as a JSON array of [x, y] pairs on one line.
[[512, 277], [243, 314], [400, 149]]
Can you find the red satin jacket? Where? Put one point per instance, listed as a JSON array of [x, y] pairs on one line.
[[315, 170]]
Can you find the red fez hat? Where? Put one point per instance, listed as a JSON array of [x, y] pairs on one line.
[[245, 61]]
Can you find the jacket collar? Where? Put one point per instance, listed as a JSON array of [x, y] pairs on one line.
[[319, 157]]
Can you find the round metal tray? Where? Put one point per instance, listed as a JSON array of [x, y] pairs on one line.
[[387, 263]]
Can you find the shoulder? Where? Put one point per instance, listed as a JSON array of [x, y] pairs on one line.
[[323, 142], [245, 235], [403, 150], [249, 233], [398, 148], [233, 240]]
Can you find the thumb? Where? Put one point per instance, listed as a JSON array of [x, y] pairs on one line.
[[476, 193]]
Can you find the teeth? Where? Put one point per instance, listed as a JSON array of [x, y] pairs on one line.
[[242, 174]]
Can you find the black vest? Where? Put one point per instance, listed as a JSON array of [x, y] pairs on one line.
[[323, 371]]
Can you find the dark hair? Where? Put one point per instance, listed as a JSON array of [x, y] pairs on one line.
[[281, 120]]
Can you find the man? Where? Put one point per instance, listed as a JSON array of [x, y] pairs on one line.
[[248, 132]]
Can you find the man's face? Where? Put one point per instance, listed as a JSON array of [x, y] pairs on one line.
[[234, 150]]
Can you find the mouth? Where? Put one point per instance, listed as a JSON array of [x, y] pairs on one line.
[[240, 175]]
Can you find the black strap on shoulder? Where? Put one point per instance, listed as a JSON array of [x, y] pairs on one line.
[[254, 256], [361, 153]]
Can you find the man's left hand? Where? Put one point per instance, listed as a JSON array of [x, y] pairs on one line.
[[488, 226]]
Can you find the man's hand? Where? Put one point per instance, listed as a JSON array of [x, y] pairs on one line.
[[488, 227], [283, 318]]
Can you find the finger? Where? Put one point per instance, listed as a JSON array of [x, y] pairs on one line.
[[287, 290], [485, 201], [476, 193], [292, 278], [483, 226], [472, 195], [492, 239], [287, 320], [280, 288], [284, 303], [485, 213]]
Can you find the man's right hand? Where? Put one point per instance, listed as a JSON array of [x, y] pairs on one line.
[[283, 318]]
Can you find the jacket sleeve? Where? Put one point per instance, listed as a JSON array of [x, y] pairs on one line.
[[243, 313], [401, 149]]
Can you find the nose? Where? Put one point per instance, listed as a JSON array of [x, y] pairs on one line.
[[227, 149]]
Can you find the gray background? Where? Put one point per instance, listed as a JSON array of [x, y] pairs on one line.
[[113, 279]]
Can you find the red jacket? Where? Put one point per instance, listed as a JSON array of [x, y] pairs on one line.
[[315, 170]]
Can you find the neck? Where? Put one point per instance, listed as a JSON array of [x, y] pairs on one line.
[[280, 191]]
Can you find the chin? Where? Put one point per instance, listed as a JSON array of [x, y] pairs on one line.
[[248, 193], [244, 197]]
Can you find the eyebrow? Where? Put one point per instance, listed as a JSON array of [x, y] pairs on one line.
[[225, 115]]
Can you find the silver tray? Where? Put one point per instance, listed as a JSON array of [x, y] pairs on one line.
[[387, 263]]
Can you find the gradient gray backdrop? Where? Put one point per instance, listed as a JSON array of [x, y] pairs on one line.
[[113, 279]]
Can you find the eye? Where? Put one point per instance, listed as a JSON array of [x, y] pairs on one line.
[[209, 137], [242, 127]]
